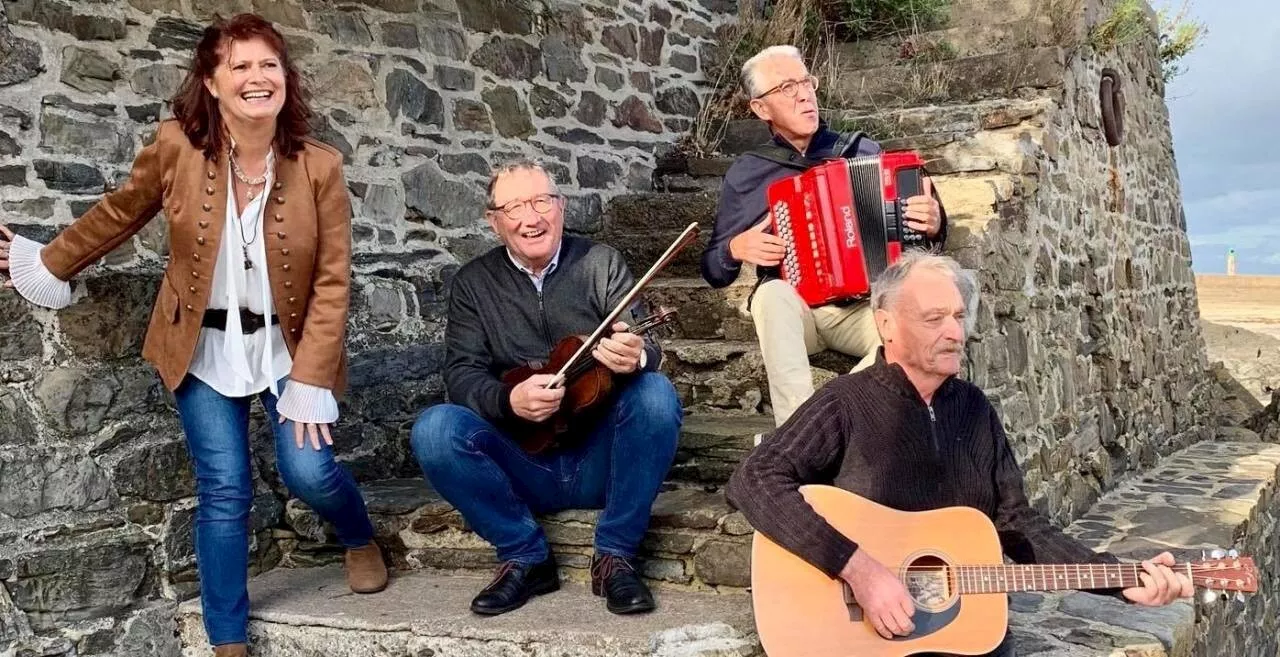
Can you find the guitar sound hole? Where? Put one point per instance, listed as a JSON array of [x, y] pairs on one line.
[[929, 583]]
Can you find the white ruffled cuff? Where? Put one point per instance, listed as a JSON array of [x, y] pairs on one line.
[[307, 404], [32, 279]]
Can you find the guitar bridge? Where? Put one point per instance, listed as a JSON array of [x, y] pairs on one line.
[[855, 610]]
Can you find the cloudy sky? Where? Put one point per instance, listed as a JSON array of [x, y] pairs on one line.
[[1225, 112]]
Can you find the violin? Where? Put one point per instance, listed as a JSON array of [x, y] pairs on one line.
[[588, 385]]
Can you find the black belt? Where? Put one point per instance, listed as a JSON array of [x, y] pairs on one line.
[[250, 321]]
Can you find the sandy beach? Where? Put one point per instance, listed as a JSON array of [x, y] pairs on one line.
[[1240, 318]]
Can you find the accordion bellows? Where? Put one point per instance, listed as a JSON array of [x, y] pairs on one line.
[[841, 222]]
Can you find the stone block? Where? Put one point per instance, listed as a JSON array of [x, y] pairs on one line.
[[20, 59], [721, 562], [454, 78], [411, 97], [509, 59], [345, 82], [689, 508], [444, 40], [89, 71], [496, 16], [157, 80], [509, 112], [635, 114], [17, 423], [56, 584], [681, 100], [79, 400], [591, 109], [62, 17], [98, 139], [160, 472], [19, 333], [151, 632], [622, 40], [562, 60], [442, 201], [472, 115], [110, 321], [595, 173], [176, 34], [71, 177], [52, 479], [346, 27]]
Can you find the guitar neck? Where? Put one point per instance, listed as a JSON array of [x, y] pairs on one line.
[[1059, 577]]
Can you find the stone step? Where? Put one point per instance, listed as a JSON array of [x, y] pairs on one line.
[[702, 311], [297, 612], [712, 446], [1001, 34], [695, 540], [729, 375], [956, 81]]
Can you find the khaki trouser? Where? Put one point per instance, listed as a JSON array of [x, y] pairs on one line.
[[789, 331]]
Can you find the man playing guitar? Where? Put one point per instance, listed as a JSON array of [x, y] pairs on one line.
[[907, 434]]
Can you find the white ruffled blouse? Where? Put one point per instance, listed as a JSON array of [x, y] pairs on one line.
[[230, 362]]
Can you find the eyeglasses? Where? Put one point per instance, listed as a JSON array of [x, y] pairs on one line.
[[542, 204], [790, 88]]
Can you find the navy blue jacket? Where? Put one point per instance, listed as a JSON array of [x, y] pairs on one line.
[[743, 204]]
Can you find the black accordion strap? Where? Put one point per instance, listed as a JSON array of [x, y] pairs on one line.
[[846, 145]]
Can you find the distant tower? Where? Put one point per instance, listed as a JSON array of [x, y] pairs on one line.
[[1231, 262]]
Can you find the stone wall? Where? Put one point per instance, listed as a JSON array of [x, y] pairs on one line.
[[1086, 336], [422, 97]]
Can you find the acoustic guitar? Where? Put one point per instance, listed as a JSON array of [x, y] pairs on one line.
[[951, 563]]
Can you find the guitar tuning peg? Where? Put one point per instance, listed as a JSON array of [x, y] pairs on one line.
[[1233, 553], [1208, 597], [1217, 553]]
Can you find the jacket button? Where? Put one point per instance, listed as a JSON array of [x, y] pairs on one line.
[[195, 256], [207, 207], [280, 234], [293, 299], [195, 274], [293, 315], [204, 224], [286, 267], [212, 175], [293, 330], [193, 289], [200, 240], [288, 285], [189, 308], [280, 200], [279, 185], [284, 252], [208, 190], [279, 219]]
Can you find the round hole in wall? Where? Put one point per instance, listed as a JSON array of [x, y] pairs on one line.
[[1111, 101]]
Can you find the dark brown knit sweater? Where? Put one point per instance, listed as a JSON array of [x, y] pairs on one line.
[[870, 433]]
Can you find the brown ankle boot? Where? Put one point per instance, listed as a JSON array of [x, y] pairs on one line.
[[366, 573], [231, 650]]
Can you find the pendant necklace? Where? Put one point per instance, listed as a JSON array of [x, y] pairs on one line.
[[249, 196]]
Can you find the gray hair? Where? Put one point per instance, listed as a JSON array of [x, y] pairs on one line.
[[885, 289], [750, 86], [521, 164]]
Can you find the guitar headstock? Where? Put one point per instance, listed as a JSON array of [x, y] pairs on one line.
[[1223, 572]]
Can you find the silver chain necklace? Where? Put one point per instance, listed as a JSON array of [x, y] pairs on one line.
[[249, 193]]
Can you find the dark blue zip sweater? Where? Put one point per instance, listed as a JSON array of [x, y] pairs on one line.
[[499, 321], [743, 204]]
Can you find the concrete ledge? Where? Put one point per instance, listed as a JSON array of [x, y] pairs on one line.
[[311, 611]]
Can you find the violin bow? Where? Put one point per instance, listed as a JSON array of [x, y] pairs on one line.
[[690, 233]]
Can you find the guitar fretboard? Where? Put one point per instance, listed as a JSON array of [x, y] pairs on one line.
[[1005, 578]]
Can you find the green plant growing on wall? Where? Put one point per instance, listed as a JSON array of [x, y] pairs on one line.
[[1175, 32], [1179, 35]]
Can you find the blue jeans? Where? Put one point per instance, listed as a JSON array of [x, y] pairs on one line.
[[498, 487], [217, 430]]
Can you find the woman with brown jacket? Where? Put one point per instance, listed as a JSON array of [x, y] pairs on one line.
[[253, 302]]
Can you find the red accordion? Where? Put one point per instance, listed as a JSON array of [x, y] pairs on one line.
[[842, 223]]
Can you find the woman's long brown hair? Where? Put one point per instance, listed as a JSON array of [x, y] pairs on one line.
[[197, 110]]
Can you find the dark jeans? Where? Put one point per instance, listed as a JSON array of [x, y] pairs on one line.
[[217, 430], [498, 487]]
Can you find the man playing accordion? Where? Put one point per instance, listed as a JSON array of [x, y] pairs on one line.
[[783, 94]]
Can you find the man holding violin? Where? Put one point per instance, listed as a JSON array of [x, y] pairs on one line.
[[508, 309]]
